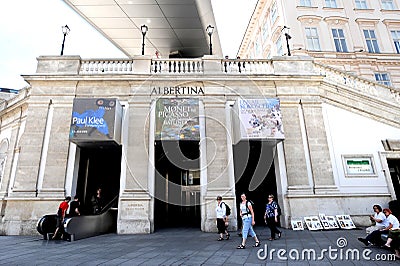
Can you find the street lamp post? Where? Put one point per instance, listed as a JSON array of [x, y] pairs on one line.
[[144, 30], [288, 37], [65, 31], [210, 30]]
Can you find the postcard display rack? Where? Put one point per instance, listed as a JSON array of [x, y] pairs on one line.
[[322, 221]]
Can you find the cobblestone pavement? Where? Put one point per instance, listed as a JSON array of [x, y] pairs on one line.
[[183, 246]]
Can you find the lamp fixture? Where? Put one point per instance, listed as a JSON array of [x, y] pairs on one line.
[[144, 30], [210, 30], [288, 37], [65, 30]]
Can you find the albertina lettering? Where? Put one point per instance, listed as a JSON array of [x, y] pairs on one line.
[[177, 90]]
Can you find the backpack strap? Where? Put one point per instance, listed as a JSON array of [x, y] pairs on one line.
[[247, 209]]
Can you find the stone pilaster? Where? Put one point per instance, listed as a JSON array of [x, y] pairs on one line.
[[218, 182], [31, 149], [56, 157], [321, 163], [297, 176], [135, 206]]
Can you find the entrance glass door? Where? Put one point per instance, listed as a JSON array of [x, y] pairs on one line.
[[177, 184]]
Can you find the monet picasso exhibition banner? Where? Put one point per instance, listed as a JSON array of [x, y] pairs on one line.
[[177, 119]]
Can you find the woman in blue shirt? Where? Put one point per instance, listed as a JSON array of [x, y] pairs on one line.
[[271, 217]]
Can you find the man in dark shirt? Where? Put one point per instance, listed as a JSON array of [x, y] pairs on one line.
[[74, 207]]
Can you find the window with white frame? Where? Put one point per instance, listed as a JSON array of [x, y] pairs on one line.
[[371, 40], [396, 39], [339, 40], [330, 3], [312, 39], [388, 5], [279, 47], [305, 2], [274, 13], [265, 30], [361, 4], [258, 48], [383, 78]]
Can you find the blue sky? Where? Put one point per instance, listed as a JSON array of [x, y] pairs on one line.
[[31, 28]]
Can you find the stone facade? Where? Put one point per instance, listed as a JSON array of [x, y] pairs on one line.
[[40, 163], [310, 25]]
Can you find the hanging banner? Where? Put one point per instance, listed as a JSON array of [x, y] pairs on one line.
[[177, 119], [95, 119], [258, 119]]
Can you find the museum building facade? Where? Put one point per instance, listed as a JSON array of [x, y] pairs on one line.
[[165, 137]]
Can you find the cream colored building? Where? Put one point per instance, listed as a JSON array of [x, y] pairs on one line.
[[360, 37], [330, 129], [320, 139]]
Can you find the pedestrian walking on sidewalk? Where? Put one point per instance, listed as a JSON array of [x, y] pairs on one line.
[[62, 209], [271, 217], [222, 219], [247, 214]]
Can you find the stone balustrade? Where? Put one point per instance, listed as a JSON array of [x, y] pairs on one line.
[[368, 87], [175, 66], [294, 65], [106, 66]]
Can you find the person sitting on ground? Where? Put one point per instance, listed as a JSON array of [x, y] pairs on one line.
[[375, 236], [378, 218]]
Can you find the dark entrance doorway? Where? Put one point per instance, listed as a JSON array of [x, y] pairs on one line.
[[99, 167], [254, 175], [177, 184], [394, 168]]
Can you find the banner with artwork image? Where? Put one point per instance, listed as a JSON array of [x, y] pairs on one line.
[[258, 119]]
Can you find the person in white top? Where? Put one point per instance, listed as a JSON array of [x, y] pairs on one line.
[[247, 214], [375, 236], [222, 219], [378, 218], [394, 232]]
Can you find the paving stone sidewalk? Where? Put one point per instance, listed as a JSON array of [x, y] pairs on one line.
[[184, 246]]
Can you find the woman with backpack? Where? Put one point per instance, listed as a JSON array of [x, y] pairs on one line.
[[222, 218], [247, 214], [271, 217]]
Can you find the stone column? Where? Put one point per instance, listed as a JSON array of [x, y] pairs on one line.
[[218, 182], [135, 208], [296, 168], [55, 149], [321, 163], [31, 142]]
